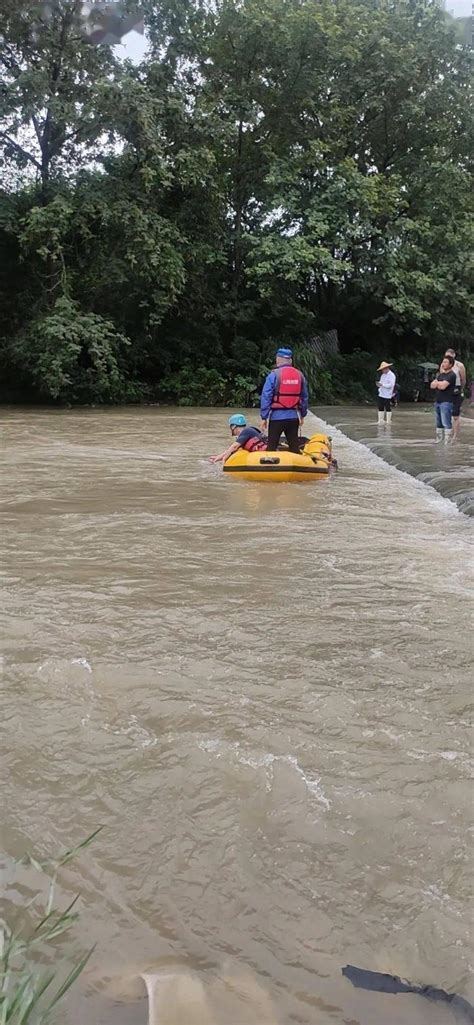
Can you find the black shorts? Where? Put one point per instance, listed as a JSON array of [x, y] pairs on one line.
[[457, 403], [384, 405]]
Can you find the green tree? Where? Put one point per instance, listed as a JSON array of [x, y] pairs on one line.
[[97, 248], [55, 91], [273, 168]]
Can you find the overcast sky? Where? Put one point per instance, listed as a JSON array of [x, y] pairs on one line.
[[132, 46], [459, 8]]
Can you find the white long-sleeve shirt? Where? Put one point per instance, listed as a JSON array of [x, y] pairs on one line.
[[387, 384]]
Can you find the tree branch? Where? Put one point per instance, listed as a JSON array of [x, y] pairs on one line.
[[36, 128], [20, 149]]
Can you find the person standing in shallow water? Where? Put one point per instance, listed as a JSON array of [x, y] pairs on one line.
[[444, 385], [460, 371], [386, 386]]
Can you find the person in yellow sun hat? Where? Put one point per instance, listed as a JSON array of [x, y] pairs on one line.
[[386, 385]]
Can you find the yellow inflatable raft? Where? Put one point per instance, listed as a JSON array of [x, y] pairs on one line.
[[312, 464]]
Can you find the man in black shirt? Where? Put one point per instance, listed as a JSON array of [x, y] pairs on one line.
[[460, 371], [444, 385]]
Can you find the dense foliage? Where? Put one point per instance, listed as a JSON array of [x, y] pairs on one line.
[[271, 170]]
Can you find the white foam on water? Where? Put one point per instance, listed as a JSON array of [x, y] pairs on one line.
[[138, 733], [217, 747], [370, 459], [313, 785], [82, 662], [392, 736], [260, 762], [266, 761]]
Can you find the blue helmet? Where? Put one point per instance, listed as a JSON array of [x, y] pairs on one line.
[[285, 353], [237, 420]]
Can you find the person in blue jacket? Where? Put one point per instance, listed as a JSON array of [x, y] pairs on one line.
[[284, 402]]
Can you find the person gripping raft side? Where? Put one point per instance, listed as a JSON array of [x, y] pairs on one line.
[[284, 401], [243, 436]]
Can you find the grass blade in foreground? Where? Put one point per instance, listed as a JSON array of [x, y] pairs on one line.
[[23, 982]]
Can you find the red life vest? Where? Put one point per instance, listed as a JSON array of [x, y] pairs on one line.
[[254, 445], [288, 389]]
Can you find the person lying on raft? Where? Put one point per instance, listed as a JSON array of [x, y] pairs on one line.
[[249, 438]]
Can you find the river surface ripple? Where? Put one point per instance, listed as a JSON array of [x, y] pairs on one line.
[[262, 693]]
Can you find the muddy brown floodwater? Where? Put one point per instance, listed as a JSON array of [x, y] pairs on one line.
[[262, 693]]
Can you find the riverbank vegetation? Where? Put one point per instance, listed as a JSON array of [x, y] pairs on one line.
[[270, 171], [33, 980]]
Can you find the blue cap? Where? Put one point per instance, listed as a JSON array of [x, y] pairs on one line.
[[285, 353], [237, 420]]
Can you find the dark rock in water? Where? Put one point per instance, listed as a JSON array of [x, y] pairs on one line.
[[380, 983]]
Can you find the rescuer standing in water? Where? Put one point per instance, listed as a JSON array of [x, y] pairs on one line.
[[284, 402]]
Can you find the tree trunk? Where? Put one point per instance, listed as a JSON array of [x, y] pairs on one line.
[[237, 239]]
